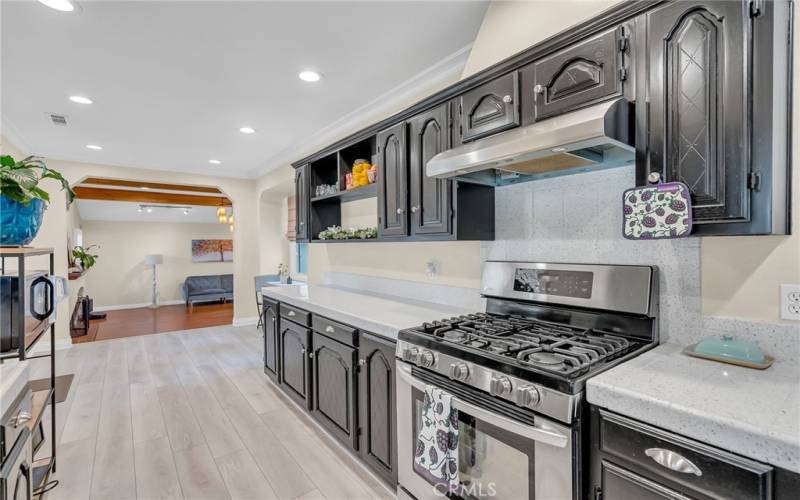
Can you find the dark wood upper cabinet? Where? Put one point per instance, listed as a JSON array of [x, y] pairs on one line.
[[334, 394], [431, 198], [490, 108], [392, 182], [294, 368], [585, 73], [270, 325], [698, 84], [378, 413], [302, 200]]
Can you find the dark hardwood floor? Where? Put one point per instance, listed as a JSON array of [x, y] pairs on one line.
[[144, 321]]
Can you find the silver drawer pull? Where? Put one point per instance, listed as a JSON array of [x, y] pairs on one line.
[[292, 313], [672, 461], [329, 329]]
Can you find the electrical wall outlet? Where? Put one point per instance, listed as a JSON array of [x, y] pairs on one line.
[[790, 302]]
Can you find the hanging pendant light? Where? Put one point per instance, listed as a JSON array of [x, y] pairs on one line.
[[231, 227], [220, 211], [230, 219]]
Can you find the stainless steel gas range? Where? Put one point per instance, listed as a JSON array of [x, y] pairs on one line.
[[517, 371]]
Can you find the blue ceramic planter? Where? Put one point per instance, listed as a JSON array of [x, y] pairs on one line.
[[19, 223]]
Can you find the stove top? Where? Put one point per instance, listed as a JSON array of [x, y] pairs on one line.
[[557, 348]]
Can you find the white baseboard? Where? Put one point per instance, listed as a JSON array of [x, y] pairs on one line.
[[137, 306], [249, 321], [44, 345]]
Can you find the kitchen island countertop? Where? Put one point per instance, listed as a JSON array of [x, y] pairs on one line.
[[384, 315], [754, 413]]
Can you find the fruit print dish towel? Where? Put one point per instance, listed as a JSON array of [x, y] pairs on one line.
[[655, 212], [436, 451]]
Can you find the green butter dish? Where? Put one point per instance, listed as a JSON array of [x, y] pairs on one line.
[[727, 349]]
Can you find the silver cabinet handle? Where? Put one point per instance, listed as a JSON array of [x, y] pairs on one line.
[[400, 211], [292, 314], [672, 461], [414, 209], [311, 355], [538, 89], [654, 177], [302, 223], [507, 99], [303, 350], [329, 329], [362, 362]]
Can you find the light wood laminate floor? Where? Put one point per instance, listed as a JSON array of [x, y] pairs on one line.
[[190, 414]]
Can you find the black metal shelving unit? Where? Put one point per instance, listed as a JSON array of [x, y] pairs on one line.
[[42, 468]]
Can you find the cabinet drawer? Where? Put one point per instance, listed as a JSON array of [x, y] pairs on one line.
[[579, 75], [698, 467], [295, 314], [335, 330], [490, 108], [622, 483]]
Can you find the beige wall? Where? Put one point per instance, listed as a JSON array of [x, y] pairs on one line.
[[121, 276], [241, 191]]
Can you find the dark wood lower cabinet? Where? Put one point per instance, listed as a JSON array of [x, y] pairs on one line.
[[270, 325], [294, 368], [334, 382], [349, 388], [377, 410]]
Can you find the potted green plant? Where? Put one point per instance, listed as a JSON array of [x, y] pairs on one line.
[[83, 258], [22, 201], [283, 274]]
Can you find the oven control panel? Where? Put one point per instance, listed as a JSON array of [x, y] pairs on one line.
[[576, 284]]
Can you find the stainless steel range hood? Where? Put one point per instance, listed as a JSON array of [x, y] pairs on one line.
[[600, 136]]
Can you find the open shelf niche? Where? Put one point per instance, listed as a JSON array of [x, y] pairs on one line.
[[327, 210]]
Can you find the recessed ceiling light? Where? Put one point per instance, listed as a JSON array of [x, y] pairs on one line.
[[144, 188], [186, 211], [94, 146], [247, 130], [62, 5], [214, 162], [309, 76], [80, 99], [149, 210]]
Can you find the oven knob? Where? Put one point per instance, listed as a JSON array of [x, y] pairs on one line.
[[528, 396], [459, 371], [427, 359], [411, 354], [500, 386]]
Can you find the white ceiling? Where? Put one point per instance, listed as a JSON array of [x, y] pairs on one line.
[[124, 211], [173, 81]]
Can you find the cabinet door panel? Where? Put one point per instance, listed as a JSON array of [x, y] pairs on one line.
[[270, 325], [490, 108], [429, 135], [698, 111], [622, 483], [294, 341], [393, 181], [334, 388], [377, 406], [580, 75], [302, 190]]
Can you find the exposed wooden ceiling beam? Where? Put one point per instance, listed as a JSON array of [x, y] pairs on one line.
[[90, 193], [150, 185]]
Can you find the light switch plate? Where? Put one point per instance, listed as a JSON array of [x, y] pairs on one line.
[[790, 302]]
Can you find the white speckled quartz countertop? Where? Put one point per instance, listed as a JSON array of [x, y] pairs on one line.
[[382, 315], [755, 413]]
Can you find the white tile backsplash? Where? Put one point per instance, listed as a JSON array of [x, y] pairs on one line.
[[577, 218]]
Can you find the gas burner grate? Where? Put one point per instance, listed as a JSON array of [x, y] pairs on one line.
[[544, 345]]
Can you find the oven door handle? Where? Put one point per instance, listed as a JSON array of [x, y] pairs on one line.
[[535, 432]]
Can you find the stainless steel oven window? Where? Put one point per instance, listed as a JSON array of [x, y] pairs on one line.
[[496, 461]]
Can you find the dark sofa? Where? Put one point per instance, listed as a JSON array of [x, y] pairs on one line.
[[207, 288]]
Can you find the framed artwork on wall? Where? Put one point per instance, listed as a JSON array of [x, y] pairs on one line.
[[212, 250]]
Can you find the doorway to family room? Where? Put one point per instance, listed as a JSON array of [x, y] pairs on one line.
[[149, 258]]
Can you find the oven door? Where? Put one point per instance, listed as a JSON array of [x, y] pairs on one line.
[[504, 452]]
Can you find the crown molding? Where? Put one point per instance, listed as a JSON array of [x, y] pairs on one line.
[[432, 79]]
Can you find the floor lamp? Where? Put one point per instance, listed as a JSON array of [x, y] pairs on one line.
[[154, 260]]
